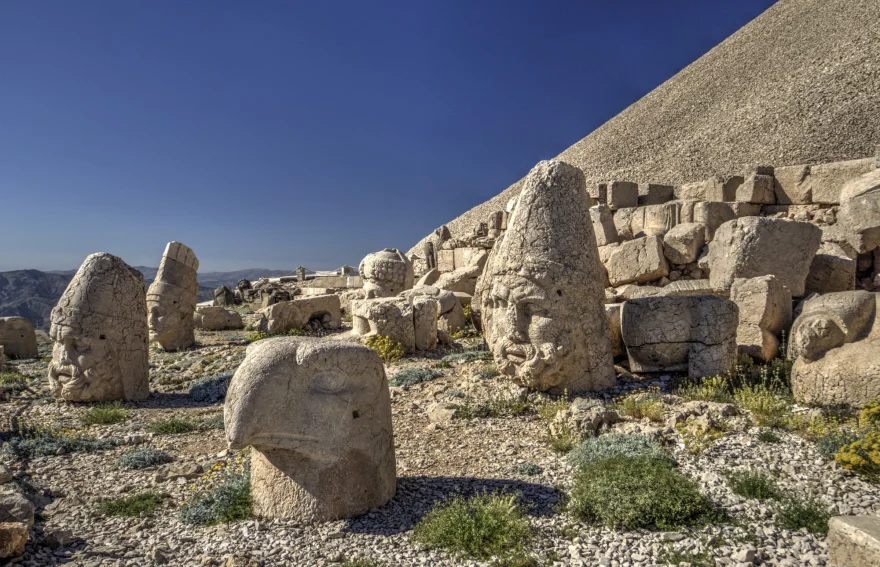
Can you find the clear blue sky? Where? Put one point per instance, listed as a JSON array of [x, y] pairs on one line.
[[271, 134]]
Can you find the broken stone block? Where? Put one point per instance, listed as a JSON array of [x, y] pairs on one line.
[[758, 189], [764, 313], [758, 246], [224, 296], [445, 260], [655, 194], [425, 313], [827, 179], [214, 318], [835, 340], [461, 279], [391, 317], [622, 194], [612, 312], [317, 415], [17, 337], [671, 334], [859, 216], [603, 225], [792, 185], [639, 260], [682, 244], [651, 220], [13, 537], [831, 270], [597, 192], [695, 191], [854, 541], [297, 313], [16, 508]]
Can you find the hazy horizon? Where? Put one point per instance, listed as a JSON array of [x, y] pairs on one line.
[[284, 134]]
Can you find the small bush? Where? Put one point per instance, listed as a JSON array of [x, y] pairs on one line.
[[486, 371], [870, 414], [769, 407], [468, 356], [698, 437], [862, 456], [528, 469], [640, 405], [229, 502], [548, 408], [296, 332], [796, 513], [213, 422], [496, 406], [143, 458], [768, 436], [442, 365], [258, 336], [173, 426], [360, 562], [616, 445], [210, 389], [832, 441], [672, 557], [775, 375], [412, 376], [756, 485], [709, 389], [135, 505], [105, 414], [388, 349], [635, 493], [562, 439], [12, 383], [47, 441], [480, 527]]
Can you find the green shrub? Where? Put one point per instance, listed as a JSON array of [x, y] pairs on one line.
[[672, 557], [870, 414], [635, 493], [768, 436], [213, 422], [756, 485], [528, 469], [12, 383], [639, 405], [616, 445], [47, 441], [143, 458], [796, 513], [486, 371], [561, 439], [105, 414], [296, 332], [768, 406], [412, 376], [709, 389], [173, 426], [228, 502], [360, 562], [210, 389], [258, 336], [833, 440], [775, 375], [480, 527], [468, 356], [136, 505], [698, 435], [862, 456], [442, 365], [388, 349], [496, 406]]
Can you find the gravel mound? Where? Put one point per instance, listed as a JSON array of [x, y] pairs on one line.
[[798, 84]]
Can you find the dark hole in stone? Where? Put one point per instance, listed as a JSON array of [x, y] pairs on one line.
[[101, 337], [559, 292], [355, 414]]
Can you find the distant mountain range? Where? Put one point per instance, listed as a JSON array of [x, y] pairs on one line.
[[32, 294]]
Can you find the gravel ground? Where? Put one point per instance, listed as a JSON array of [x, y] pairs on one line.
[[434, 459]]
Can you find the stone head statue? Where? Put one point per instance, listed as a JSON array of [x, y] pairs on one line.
[[318, 416], [829, 321], [542, 292], [100, 334], [386, 273], [172, 298]]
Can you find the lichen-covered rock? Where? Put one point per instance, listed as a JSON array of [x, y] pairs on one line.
[[695, 334], [386, 273], [756, 246], [215, 318], [99, 329], [172, 298], [859, 215], [17, 337], [541, 295], [318, 416], [835, 341], [764, 313], [636, 261]]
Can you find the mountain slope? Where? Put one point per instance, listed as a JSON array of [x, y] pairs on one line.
[[798, 84]]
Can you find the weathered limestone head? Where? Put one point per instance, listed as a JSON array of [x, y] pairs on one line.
[[386, 273], [542, 292], [318, 416], [830, 321], [172, 298], [100, 334]]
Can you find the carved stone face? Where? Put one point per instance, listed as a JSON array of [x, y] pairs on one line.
[[167, 318], [84, 368], [530, 329]]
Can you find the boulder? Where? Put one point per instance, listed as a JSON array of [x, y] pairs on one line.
[[757, 246], [296, 313], [17, 337], [215, 318], [639, 260], [696, 334], [683, 243], [792, 185], [854, 541], [224, 296], [764, 313], [391, 317], [318, 416], [13, 537], [426, 310], [16, 508], [831, 270]]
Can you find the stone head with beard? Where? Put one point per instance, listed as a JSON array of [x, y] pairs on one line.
[[99, 329], [172, 298], [542, 292]]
